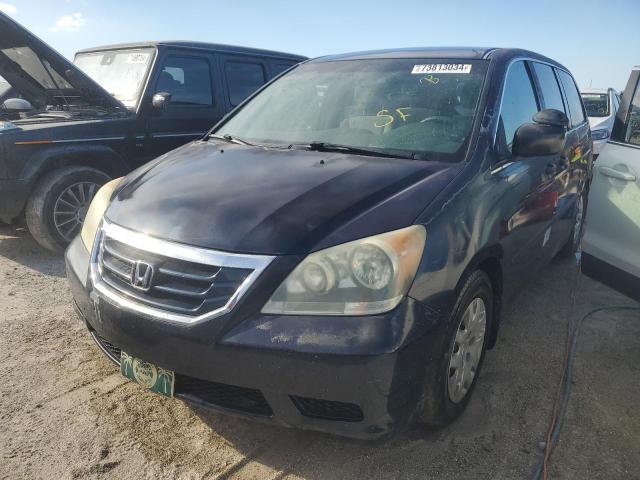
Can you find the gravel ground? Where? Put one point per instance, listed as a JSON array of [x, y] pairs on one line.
[[65, 412]]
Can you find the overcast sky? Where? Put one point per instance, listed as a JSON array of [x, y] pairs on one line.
[[599, 41]]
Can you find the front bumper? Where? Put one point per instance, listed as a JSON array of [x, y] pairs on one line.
[[353, 376]]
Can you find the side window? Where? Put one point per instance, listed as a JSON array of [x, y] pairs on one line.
[[243, 78], [518, 107], [549, 85], [632, 133], [278, 68], [187, 79], [576, 113]]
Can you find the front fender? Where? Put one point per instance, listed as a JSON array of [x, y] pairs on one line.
[[48, 157]]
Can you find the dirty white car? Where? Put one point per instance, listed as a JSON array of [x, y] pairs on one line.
[[611, 244]]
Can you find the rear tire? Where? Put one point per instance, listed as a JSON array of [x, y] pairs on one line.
[[573, 243], [444, 398], [57, 206]]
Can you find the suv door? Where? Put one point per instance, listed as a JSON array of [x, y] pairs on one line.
[[529, 182], [192, 109], [575, 162], [611, 244]]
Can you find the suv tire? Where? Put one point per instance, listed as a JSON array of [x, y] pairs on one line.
[[573, 242], [441, 404], [56, 208]]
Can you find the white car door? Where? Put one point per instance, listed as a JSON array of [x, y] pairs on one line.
[[611, 243]]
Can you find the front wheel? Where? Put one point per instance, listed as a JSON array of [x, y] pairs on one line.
[[57, 207], [450, 381]]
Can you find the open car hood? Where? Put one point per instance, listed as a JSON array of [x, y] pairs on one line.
[[43, 76]]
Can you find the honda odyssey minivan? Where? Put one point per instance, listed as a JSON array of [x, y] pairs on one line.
[[334, 254]]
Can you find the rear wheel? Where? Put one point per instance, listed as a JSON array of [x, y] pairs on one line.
[[57, 207], [573, 243], [451, 380]]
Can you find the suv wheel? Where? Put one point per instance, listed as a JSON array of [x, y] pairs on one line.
[[573, 243], [450, 381], [57, 207]]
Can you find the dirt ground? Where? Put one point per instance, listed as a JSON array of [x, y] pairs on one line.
[[65, 412]]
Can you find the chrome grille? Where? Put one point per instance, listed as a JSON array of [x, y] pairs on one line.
[[187, 283]]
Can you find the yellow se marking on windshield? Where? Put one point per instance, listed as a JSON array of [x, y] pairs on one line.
[[389, 118], [403, 116]]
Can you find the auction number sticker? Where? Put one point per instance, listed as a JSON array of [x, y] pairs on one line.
[[442, 68], [137, 58]]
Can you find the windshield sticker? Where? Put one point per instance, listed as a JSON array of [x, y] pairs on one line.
[[442, 68], [137, 58]]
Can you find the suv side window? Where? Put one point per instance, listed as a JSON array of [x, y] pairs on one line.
[[576, 112], [519, 105], [551, 95], [187, 79], [278, 68], [243, 78], [632, 133]]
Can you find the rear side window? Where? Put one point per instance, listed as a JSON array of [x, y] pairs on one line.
[[187, 79], [573, 98], [243, 78], [549, 85], [632, 134], [519, 105], [278, 68]]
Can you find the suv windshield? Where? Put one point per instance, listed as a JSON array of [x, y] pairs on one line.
[[121, 72], [596, 104], [422, 107]]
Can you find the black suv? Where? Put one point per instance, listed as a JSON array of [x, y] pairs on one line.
[[75, 128], [334, 254]]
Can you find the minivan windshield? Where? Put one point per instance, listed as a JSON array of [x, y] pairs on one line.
[[122, 73], [418, 107], [596, 104]]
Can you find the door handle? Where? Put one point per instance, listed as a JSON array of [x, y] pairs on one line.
[[617, 174]]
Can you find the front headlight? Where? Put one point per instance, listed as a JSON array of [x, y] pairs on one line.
[[599, 134], [364, 277], [96, 209]]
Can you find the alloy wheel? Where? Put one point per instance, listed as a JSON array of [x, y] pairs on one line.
[[71, 207]]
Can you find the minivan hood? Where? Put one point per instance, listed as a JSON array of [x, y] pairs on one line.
[[271, 201], [43, 76]]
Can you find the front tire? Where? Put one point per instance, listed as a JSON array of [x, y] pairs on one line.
[[450, 381], [57, 206]]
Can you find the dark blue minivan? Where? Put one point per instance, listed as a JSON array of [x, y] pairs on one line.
[[334, 254]]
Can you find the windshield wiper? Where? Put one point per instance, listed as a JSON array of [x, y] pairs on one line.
[[335, 147], [230, 139]]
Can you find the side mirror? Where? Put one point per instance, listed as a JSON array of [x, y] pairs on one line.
[[16, 105], [545, 136], [160, 100]]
